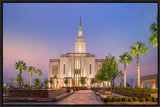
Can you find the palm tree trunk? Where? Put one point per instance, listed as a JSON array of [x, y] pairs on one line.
[[138, 72], [30, 83], [124, 84]]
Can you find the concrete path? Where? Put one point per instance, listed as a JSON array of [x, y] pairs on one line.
[[82, 97]]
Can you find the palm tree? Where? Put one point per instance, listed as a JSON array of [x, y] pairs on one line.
[[51, 81], [21, 66], [137, 50], [31, 70], [38, 72], [125, 59], [154, 38]]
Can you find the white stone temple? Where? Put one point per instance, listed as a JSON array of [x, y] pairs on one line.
[[73, 66]]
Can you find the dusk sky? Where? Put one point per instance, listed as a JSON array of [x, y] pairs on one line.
[[37, 32]]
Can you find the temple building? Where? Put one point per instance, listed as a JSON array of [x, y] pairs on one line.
[[73, 66]]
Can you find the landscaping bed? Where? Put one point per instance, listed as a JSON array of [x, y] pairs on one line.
[[130, 100]]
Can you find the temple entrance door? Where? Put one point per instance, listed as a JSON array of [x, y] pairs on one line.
[[77, 78]]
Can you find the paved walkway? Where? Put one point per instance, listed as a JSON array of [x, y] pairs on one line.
[[82, 97]]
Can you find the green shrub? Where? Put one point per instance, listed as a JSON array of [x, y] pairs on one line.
[[113, 99], [118, 99], [124, 99], [134, 98], [141, 99], [148, 99], [107, 99], [154, 99], [130, 99]]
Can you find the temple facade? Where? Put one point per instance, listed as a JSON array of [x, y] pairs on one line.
[[71, 67]]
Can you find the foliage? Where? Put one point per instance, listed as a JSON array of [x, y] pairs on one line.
[[134, 98], [125, 59], [120, 84], [141, 99], [148, 99], [130, 99], [19, 79], [37, 82], [45, 82], [154, 99], [93, 80], [113, 99], [4, 86], [138, 48], [108, 99], [147, 86], [128, 85], [38, 72], [66, 81], [142, 90], [154, 38], [124, 99], [26, 85], [21, 66], [55, 76], [31, 70], [82, 81], [11, 79]]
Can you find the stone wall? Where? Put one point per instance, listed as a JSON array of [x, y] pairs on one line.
[[45, 93]]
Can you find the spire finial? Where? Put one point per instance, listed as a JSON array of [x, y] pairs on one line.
[[80, 18]]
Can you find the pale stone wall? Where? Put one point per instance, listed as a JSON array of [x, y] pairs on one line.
[[51, 63]]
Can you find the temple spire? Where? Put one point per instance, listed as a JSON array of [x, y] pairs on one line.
[[80, 18]]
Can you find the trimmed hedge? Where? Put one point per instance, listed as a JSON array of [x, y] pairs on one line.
[[142, 90], [130, 99]]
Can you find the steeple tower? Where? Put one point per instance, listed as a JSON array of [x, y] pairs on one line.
[[80, 18], [80, 45]]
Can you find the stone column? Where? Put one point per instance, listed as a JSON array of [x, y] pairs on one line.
[[55, 83], [153, 85], [141, 84]]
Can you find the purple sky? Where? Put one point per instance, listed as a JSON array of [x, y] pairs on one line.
[[37, 32]]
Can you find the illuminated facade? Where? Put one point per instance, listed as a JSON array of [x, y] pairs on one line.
[[73, 66]]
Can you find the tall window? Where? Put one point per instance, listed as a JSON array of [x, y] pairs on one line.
[[64, 69], [90, 68], [54, 69]]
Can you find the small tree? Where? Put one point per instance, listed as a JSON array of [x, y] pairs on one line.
[[128, 85], [19, 80], [4, 86], [36, 82], [66, 81], [45, 82], [50, 81], [82, 81], [93, 80]]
